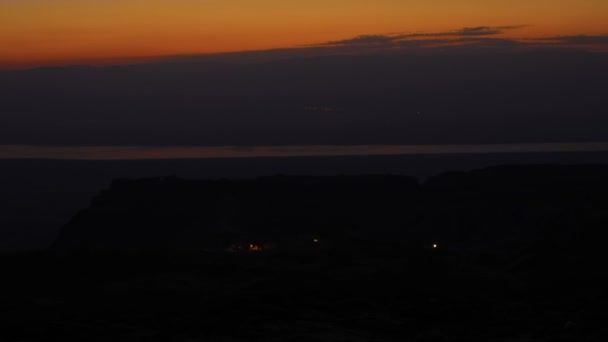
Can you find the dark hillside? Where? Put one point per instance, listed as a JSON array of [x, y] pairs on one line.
[[497, 209], [518, 257], [169, 213]]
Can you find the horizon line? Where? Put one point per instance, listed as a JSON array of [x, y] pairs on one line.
[[23, 151]]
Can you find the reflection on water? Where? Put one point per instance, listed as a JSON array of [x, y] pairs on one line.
[[199, 152]]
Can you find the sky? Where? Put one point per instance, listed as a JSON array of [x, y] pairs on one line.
[[222, 73], [43, 32]]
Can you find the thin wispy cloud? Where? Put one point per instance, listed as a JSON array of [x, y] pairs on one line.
[[576, 40], [397, 39], [485, 37]]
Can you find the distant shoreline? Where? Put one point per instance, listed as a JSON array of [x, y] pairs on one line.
[[8, 152]]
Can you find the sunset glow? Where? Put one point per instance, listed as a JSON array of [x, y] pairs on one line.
[[40, 32]]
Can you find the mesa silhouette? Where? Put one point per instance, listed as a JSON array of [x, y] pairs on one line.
[[504, 209]]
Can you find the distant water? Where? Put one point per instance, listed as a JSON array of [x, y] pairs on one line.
[[38, 196], [199, 152]]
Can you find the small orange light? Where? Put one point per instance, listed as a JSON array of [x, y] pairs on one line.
[[255, 248]]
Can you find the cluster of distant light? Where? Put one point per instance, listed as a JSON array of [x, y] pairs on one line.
[[195, 152]]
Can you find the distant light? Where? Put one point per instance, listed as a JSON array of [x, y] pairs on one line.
[[255, 248], [435, 246], [315, 240]]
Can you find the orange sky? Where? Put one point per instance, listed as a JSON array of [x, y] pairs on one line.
[[41, 32]]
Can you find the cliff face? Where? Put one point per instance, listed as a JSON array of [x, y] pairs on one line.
[[509, 207]]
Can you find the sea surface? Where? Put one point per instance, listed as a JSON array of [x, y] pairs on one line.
[[38, 196]]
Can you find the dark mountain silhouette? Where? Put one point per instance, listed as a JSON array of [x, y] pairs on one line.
[[169, 213], [38, 197], [498, 209]]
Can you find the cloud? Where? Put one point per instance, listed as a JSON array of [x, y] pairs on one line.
[[481, 31], [364, 40], [474, 37], [464, 32], [400, 38], [577, 40]]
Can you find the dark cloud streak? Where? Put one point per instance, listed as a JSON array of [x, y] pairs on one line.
[[478, 37], [394, 39], [576, 40]]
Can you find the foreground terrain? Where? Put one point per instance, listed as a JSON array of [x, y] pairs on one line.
[[500, 254]]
